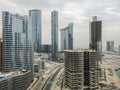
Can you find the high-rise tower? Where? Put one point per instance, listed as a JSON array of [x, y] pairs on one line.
[[17, 42], [36, 18], [81, 69], [54, 27], [112, 45], [108, 46], [96, 36], [67, 37]]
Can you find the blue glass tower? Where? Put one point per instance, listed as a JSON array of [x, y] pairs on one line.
[[17, 42], [54, 27], [67, 37], [36, 17]]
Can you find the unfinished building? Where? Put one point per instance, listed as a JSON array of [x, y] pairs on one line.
[[81, 69], [96, 36]]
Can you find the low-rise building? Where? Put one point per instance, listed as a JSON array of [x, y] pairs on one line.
[[36, 68], [19, 80]]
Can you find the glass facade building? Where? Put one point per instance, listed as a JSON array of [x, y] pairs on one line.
[[17, 42], [108, 46], [67, 37], [36, 17], [54, 27]]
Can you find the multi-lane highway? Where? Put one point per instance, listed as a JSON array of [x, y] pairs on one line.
[[49, 83]]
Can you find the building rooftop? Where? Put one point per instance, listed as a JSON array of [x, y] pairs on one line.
[[64, 29], [80, 50], [12, 73]]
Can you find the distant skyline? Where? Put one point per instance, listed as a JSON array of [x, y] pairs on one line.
[[78, 12]]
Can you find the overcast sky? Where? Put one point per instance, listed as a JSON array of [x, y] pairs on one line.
[[78, 12]]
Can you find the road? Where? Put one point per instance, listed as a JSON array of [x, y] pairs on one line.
[[46, 76], [51, 80]]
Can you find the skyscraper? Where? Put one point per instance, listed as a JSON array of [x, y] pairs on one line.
[[36, 17], [108, 46], [96, 36], [54, 27], [0, 54], [81, 69], [112, 45], [17, 42], [67, 37]]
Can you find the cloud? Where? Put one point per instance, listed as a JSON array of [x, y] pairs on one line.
[[77, 11]]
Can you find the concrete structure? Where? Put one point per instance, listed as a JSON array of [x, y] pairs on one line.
[[36, 17], [0, 54], [108, 46], [81, 69], [54, 27], [46, 48], [38, 63], [67, 37], [17, 42], [96, 36], [18, 81], [36, 68], [42, 64]]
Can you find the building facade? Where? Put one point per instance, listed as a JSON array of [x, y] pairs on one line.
[[17, 42], [0, 54], [54, 27], [36, 68], [46, 48], [67, 37], [38, 64], [36, 17], [81, 69], [96, 36], [19, 81], [42, 64], [110, 46]]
